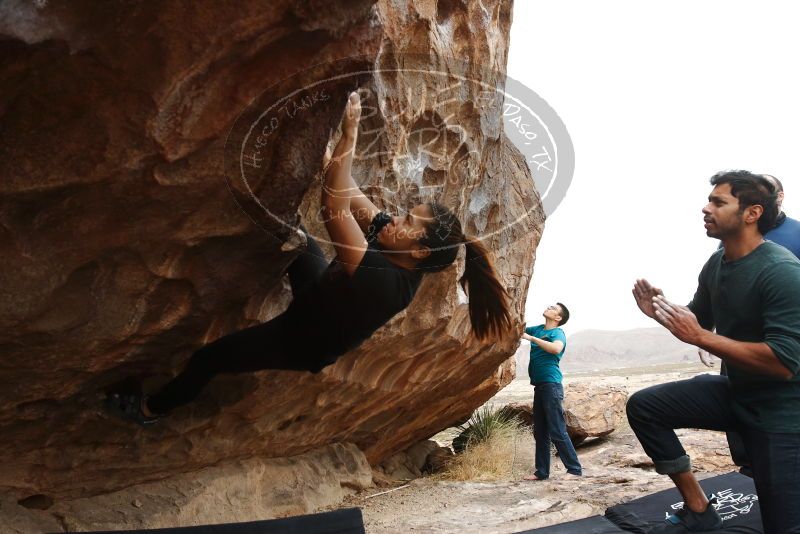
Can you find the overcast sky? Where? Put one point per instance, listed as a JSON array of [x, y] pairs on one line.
[[656, 98]]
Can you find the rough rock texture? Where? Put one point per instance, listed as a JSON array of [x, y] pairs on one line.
[[411, 463], [123, 249], [237, 491], [593, 411], [15, 519], [589, 411]]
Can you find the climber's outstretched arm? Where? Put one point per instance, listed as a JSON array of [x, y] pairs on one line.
[[340, 194]]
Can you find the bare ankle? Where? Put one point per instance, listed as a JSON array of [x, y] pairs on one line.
[[698, 505]]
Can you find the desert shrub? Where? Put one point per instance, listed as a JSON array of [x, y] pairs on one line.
[[485, 422], [488, 446]]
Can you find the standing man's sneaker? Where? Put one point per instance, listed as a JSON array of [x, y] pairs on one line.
[[129, 407], [684, 520]]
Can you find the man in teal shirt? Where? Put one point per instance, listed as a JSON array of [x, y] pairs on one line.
[[548, 343], [749, 290]]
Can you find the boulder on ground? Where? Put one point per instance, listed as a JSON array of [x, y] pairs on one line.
[[399, 467], [418, 453], [593, 411], [590, 411], [438, 459], [424, 457]]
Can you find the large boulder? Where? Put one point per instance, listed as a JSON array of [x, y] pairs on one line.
[[124, 250], [412, 462], [593, 411], [589, 411]]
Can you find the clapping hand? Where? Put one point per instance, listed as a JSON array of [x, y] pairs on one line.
[[679, 320], [643, 292]]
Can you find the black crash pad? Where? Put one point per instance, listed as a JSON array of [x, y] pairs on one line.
[[737, 504], [591, 525], [345, 521]]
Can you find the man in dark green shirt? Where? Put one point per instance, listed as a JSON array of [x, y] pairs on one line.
[[786, 233], [749, 290]]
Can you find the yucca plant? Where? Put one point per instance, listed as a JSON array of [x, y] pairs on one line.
[[485, 423], [487, 445]]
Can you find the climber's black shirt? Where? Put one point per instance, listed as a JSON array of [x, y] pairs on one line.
[[337, 311]]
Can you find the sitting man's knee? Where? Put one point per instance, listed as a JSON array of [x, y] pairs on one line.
[[636, 402]]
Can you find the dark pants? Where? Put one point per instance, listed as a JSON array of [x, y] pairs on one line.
[[735, 441], [705, 402], [549, 425], [272, 345]]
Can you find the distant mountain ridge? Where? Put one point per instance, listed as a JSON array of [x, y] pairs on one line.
[[590, 350]]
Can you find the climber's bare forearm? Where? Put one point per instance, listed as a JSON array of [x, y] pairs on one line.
[[338, 185]]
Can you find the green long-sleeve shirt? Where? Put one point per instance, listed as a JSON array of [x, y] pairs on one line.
[[757, 299]]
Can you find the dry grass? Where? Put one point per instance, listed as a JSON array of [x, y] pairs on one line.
[[490, 459]]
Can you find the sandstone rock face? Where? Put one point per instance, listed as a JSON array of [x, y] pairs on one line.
[[593, 412], [283, 486], [412, 462], [237, 491], [124, 250], [589, 411]]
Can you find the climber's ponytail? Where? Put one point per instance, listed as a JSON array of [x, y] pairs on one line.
[[488, 300]]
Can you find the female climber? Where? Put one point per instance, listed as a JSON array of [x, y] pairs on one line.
[[379, 264]]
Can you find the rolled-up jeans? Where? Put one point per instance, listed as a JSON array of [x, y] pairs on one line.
[[549, 425], [705, 402]]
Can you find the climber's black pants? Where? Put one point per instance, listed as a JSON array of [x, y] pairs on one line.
[[272, 345]]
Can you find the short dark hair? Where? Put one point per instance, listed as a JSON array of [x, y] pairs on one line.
[[752, 190], [564, 314]]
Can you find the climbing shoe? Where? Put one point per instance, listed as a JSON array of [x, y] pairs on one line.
[[684, 520], [129, 406]]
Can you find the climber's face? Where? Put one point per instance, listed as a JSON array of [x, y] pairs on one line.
[[405, 231]]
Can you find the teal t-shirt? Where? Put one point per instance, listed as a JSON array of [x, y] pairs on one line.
[[757, 299], [543, 366]]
